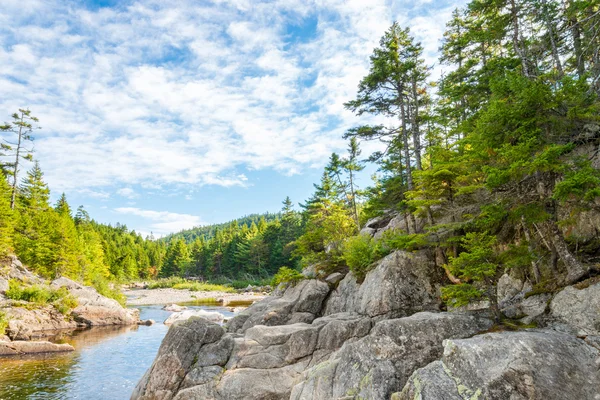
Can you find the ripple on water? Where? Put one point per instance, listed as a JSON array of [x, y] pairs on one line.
[[107, 363]]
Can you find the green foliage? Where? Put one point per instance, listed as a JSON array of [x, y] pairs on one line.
[[3, 323], [109, 290], [402, 241], [42, 295], [360, 252], [286, 275], [203, 287], [164, 283], [581, 184], [461, 294]]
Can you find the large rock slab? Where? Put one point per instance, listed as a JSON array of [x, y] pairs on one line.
[[180, 350], [401, 284], [300, 303], [212, 316], [93, 309], [379, 364], [21, 347], [27, 324], [531, 365], [579, 309]]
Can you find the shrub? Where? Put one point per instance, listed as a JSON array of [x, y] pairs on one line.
[[107, 290], [286, 275], [3, 323], [360, 252], [402, 241], [59, 298]]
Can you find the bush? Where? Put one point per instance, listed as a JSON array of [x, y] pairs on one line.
[[402, 241], [59, 298], [3, 323], [166, 283], [360, 252], [286, 275], [107, 290]]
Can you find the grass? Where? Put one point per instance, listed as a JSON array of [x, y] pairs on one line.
[[203, 287], [218, 285], [42, 295]]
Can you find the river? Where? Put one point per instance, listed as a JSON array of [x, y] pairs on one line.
[[106, 365]]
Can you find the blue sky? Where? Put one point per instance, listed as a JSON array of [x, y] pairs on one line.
[[167, 115]]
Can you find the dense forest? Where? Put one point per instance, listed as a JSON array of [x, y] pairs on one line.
[[490, 167]]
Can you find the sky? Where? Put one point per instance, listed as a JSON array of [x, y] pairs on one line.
[[165, 115]]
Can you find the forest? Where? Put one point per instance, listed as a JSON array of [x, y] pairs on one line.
[[490, 167]]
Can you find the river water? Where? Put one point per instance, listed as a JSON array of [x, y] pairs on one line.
[[106, 365]]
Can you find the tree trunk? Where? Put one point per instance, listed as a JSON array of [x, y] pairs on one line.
[[16, 169], [575, 269], [415, 125], [534, 266], [552, 39], [516, 38]]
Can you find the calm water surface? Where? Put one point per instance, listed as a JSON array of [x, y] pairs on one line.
[[107, 363]]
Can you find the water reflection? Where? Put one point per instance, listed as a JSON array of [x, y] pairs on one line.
[[107, 362]]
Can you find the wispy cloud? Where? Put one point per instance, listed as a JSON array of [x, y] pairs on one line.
[[153, 93]]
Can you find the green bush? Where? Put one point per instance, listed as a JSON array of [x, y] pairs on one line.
[[360, 252], [166, 282], [3, 323], [402, 241], [107, 290], [286, 275], [41, 295]]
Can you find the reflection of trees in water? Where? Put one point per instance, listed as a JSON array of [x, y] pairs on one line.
[[42, 376], [46, 376]]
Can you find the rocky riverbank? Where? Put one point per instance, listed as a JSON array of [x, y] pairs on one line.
[[387, 337], [30, 321]]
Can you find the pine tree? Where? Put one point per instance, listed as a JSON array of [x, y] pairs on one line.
[[22, 126]]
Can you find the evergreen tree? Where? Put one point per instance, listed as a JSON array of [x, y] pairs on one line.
[[22, 126]]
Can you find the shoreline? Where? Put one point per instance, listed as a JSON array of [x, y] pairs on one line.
[[164, 296]]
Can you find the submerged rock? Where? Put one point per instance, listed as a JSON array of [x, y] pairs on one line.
[[174, 308]]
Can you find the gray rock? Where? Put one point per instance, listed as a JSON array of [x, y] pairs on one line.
[[578, 308], [511, 289], [334, 278], [177, 355], [93, 309], [212, 316], [401, 284], [19, 347], [429, 383], [300, 303], [174, 308], [378, 365], [531, 365], [259, 384]]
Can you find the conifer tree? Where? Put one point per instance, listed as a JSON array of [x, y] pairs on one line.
[[22, 126]]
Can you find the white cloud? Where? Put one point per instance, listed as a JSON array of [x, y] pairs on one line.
[[127, 193], [159, 93], [161, 222]]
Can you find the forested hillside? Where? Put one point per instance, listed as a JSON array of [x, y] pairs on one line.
[[493, 166]]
